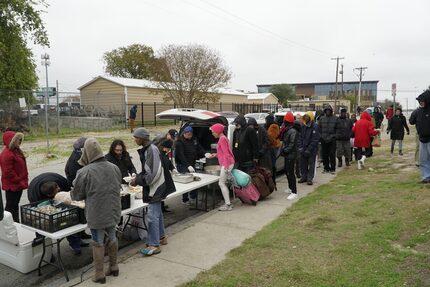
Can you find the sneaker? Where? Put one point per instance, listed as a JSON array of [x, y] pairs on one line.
[[325, 171], [400, 153], [150, 250], [333, 172], [163, 240], [363, 158], [226, 207], [302, 180], [359, 165], [310, 182], [292, 196], [287, 191]]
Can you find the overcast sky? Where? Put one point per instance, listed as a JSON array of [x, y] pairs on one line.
[[263, 42]]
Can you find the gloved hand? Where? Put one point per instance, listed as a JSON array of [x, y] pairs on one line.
[[191, 169], [208, 155]]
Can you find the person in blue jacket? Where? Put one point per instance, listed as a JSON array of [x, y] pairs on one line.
[[308, 147]]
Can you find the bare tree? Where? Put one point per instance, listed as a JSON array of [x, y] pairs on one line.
[[190, 74]]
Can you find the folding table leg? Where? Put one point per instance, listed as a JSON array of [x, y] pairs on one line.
[[60, 261], [41, 258]]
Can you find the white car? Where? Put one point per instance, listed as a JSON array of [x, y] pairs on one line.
[[259, 117]]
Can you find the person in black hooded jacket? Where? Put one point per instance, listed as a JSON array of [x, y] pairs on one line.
[[421, 119], [72, 165], [264, 158], [327, 127], [343, 137], [245, 145], [397, 125]]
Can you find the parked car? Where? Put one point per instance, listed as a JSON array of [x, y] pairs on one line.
[[200, 121], [229, 115], [260, 117]]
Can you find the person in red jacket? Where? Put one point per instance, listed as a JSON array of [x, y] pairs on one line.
[[389, 113], [363, 131], [13, 166]]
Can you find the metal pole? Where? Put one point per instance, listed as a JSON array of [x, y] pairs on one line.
[[46, 62], [337, 76], [58, 109]]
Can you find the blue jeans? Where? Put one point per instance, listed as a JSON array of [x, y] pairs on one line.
[[425, 160], [99, 235], [155, 224]]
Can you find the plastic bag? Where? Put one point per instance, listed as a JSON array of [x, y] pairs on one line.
[[241, 178]]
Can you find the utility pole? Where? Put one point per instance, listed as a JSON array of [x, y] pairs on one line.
[[337, 74], [360, 75]]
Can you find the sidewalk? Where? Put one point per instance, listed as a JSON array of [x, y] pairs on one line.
[[202, 242]]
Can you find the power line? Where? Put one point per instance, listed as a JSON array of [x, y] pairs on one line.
[[259, 28]]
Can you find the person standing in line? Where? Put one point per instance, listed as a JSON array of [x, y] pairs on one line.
[[422, 122], [98, 182], [308, 147], [119, 156], [273, 132], [363, 131], [379, 117], [289, 152], [397, 126], [225, 160], [245, 145], [187, 151], [72, 165], [389, 113], [264, 159], [343, 136], [157, 183], [327, 127], [14, 173], [132, 117], [413, 119]]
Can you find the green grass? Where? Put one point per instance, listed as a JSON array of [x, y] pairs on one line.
[[362, 229]]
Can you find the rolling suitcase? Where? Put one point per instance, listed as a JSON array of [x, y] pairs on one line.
[[248, 194]]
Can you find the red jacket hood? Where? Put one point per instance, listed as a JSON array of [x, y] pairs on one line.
[[365, 116], [11, 139]]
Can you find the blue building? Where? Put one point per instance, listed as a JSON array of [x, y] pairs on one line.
[[327, 91]]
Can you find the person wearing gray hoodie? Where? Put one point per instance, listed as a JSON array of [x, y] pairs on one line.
[[98, 182]]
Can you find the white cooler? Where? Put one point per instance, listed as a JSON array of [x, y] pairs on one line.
[[15, 246]]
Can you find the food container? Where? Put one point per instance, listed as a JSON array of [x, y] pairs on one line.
[[125, 201], [64, 216], [183, 177], [213, 169]]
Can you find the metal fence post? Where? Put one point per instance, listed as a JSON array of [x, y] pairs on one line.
[[155, 114], [141, 108]]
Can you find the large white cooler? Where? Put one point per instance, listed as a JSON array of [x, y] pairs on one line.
[[15, 246]]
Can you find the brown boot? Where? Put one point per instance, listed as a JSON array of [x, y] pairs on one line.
[[113, 254], [98, 256]]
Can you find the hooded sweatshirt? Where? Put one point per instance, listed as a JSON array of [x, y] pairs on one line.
[[363, 130], [327, 127], [72, 165], [12, 163], [245, 145], [99, 184], [421, 118]]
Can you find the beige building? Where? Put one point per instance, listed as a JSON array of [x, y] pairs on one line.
[[115, 96]]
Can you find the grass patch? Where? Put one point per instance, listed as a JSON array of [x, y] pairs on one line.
[[365, 228]]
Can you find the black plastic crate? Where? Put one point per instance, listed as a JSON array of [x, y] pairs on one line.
[[50, 222], [125, 201]]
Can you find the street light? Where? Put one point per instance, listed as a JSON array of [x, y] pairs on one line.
[[46, 63]]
